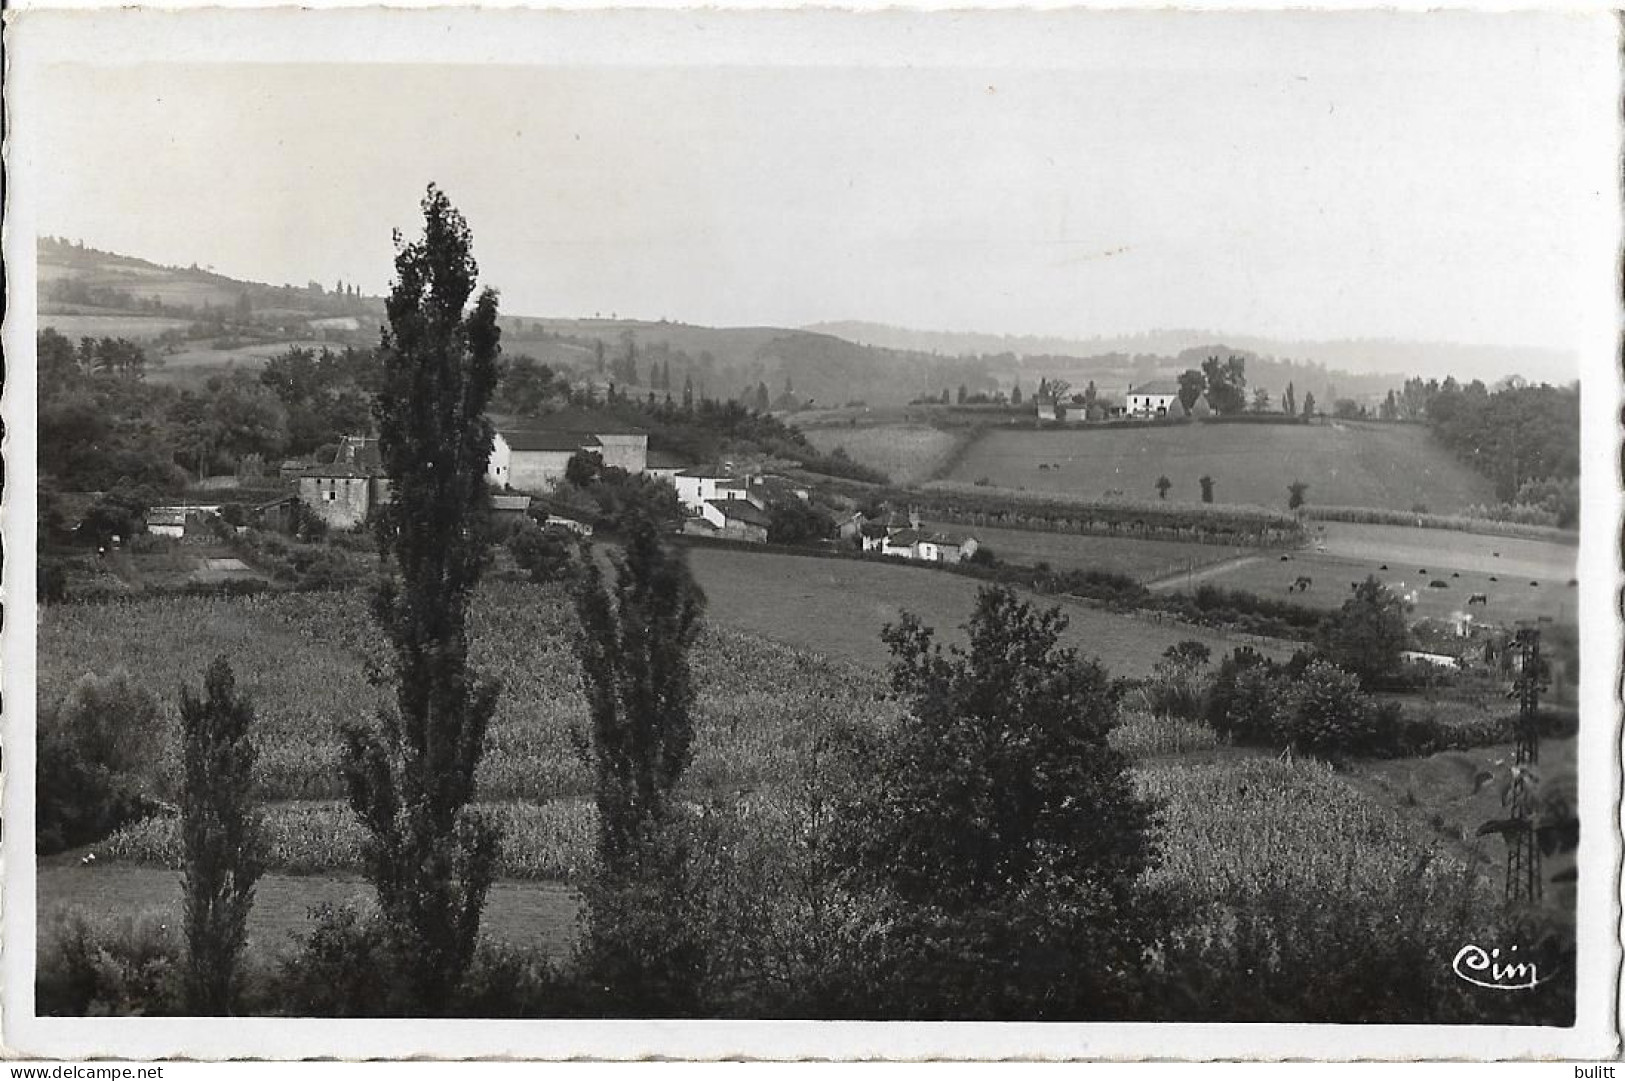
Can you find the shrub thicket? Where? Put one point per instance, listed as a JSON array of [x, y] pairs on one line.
[[96, 756]]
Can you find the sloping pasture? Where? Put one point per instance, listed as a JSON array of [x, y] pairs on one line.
[[1390, 466]]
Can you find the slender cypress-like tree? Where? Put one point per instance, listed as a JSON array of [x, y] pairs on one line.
[[221, 837], [633, 643], [411, 777]]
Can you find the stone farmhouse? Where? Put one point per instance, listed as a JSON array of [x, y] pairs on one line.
[[343, 493]]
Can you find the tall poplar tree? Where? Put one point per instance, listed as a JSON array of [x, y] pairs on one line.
[[221, 833], [411, 777], [633, 642]]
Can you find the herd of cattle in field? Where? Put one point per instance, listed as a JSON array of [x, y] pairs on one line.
[[1303, 583]]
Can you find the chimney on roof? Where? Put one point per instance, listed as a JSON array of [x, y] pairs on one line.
[[913, 518]]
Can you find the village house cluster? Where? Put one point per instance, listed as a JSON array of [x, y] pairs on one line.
[[529, 461]]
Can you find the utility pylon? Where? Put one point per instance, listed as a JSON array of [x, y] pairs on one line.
[[1523, 879]]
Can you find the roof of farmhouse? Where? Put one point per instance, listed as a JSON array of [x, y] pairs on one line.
[[341, 470], [741, 510], [665, 459], [1157, 386], [543, 439], [595, 421]]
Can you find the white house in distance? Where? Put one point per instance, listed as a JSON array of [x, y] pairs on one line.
[[533, 461], [1159, 398], [915, 543], [700, 485]]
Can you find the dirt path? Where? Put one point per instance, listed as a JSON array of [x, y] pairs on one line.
[[1201, 574]]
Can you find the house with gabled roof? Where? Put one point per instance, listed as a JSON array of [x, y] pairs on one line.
[[927, 546], [700, 484], [1158, 398], [531, 456]]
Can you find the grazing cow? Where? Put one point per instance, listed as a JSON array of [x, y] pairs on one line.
[[1479, 598], [1454, 574], [1286, 559], [1383, 567], [1493, 578], [1424, 570], [1043, 465], [1497, 555], [1301, 584], [1438, 583], [1534, 583]]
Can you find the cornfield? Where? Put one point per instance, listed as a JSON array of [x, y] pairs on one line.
[[551, 841], [1249, 827], [303, 659]]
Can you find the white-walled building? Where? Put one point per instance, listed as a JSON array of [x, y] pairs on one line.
[[532, 457], [1159, 398], [698, 486]]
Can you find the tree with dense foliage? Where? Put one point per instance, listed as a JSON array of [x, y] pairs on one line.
[[1367, 634], [1289, 401], [1226, 384], [1015, 394], [1192, 384], [1295, 493], [526, 387], [221, 837], [95, 750], [792, 521], [1207, 488], [999, 842], [633, 643], [547, 555], [1308, 403], [1163, 484], [411, 778]]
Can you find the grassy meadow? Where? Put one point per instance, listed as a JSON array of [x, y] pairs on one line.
[[836, 608], [907, 453], [1389, 466], [1522, 579], [1143, 560]]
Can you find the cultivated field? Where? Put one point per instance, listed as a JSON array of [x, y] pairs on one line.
[[836, 607], [137, 328], [303, 657], [907, 453], [1465, 562], [1391, 466], [1140, 559]]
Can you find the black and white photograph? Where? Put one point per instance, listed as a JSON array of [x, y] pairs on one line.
[[1073, 533]]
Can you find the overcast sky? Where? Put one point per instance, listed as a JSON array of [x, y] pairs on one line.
[[1435, 178]]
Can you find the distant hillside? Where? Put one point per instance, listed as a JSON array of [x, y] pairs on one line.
[[192, 321], [196, 322], [726, 362], [1346, 362]]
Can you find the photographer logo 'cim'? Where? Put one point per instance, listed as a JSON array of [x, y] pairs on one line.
[[1487, 968]]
